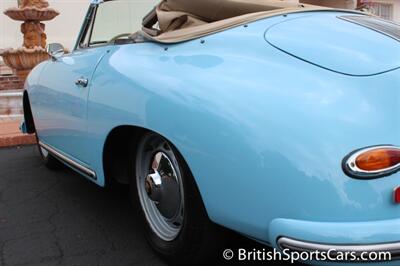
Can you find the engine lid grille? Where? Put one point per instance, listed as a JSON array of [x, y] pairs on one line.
[[386, 27]]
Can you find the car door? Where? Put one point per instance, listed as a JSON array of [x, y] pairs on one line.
[[63, 92], [66, 84]]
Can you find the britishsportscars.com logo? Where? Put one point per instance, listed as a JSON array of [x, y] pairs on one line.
[[287, 255]]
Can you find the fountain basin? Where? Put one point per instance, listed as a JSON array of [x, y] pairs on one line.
[[31, 13], [23, 59]]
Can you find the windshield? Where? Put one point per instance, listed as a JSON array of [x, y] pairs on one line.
[[119, 17]]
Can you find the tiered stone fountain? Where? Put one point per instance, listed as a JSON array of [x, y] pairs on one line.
[[33, 51]]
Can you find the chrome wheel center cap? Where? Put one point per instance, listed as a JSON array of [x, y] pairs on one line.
[[153, 185], [163, 186]]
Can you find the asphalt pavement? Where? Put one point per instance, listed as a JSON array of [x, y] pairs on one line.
[[60, 218]]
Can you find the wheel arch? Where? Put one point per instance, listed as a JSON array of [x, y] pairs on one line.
[[116, 151], [116, 154], [28, 116]]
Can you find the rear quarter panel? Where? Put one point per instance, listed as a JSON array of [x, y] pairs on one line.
[[263, 132]]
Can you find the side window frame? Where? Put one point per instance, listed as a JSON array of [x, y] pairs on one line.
[[87, 27]]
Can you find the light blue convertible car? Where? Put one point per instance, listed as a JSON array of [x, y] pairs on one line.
[[276, 119]]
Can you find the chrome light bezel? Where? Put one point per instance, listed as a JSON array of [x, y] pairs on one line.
[[350, 168]]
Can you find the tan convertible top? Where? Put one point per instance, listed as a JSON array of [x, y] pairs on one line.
[[182, 20]]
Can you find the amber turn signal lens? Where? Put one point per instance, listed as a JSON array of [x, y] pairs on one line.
[[378, 159]]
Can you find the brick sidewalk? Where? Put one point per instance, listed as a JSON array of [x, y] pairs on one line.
[[10, 134]]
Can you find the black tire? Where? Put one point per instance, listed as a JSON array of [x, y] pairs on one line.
[[199, 241], [48, 160]]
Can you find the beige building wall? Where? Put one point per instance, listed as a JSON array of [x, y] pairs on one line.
[[396, 7], [64, 28]]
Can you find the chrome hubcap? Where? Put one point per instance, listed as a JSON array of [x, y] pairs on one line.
[[160, 190], [162, 186]]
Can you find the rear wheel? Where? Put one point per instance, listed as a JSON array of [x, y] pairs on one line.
[[175, 220]]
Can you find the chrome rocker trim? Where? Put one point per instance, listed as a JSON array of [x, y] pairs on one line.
[[79, 167], [302, 246]]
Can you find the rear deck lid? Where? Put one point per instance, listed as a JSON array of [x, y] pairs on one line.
[[350, 44]]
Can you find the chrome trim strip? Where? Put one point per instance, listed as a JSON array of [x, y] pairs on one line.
[[69, 161], [302, 246]]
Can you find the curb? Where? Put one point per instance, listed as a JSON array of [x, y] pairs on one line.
[[11, 136], [17, 140]]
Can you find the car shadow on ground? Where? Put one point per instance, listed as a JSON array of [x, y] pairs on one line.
[[60, 218]]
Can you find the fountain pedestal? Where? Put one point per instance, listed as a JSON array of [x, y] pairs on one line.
[[32, 52]]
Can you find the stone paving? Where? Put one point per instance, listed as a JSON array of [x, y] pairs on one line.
[[60, 218]]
